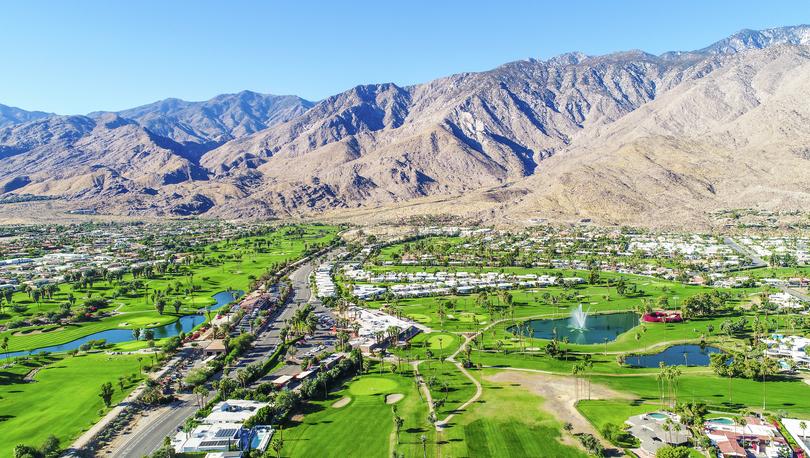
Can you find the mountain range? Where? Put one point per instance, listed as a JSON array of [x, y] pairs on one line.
[[624, 138]]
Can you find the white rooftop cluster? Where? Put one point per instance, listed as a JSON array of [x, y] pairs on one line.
[[222, 429], [323, 280], [690, 247], [767, 246], [416, 284], [789, 347], [373, 322]]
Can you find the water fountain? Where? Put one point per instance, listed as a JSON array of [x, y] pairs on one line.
[[578, 318]]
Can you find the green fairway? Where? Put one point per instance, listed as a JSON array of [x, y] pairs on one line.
[[449, 387], [603, 411], [364, 427], [63, 399], [506, 422], [370, 385], [788, 395]]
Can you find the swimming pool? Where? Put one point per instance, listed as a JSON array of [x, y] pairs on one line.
[[260, 438], [658, 415], [723, 421]]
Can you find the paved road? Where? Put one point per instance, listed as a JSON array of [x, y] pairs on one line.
[[270, 338], [756, 261], [148, 435], [798, 295], [160, 423]]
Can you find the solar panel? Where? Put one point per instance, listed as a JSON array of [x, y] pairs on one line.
[[225, 433], [214, 443]]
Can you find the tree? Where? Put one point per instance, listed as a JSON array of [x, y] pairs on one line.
[[25, 451], [277, 445], [568, 427], [177, 304], [669, 451], [106, 393], [803, 427], [423, 440], [4, 345], [201, 393], [50, 448], [398, 422], [160, 305]]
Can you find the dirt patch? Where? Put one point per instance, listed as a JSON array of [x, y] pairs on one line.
[[342, 402], [298, 418], [394, 398], [560, 397]]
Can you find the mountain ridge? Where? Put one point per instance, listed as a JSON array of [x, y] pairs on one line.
[[519, 137]]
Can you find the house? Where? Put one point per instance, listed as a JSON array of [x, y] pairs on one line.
[[233, 411], [205, 438], [657, 429], [282, 381], [755, 437], [223, 431], [215, 348]]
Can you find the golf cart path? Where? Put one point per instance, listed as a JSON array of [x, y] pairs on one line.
[[478, 389]]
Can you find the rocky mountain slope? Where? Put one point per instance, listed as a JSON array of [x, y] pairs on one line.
[[623, 138], [203, 125], [11, 115]]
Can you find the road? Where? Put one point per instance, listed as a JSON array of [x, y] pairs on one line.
[[266, 342], [756, 261], [148, 433]]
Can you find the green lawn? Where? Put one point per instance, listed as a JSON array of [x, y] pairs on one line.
[[603, 411], [364, 427], [791, 396], [506, 422], [63, 400], [448, 385]]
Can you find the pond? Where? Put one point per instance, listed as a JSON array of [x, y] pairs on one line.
[[677, 355], [184, 324], [598, 328]]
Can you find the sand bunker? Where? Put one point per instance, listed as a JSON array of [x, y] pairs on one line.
[[342, 402], [394, 398]]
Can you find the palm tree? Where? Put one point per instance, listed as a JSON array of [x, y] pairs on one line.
[[423, 440], [576, 369], [743, 422], [398, 422], [4, 345], [659, 378], [277, 445]]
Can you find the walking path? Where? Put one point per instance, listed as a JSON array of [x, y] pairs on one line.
[[478, 388]]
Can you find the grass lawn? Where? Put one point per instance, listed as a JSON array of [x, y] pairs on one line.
[[506, 422], [603, 411], [364, 427], [63, 400], [423, 342], [448, 385], [791, 396]]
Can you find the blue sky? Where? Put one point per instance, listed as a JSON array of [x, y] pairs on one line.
[[78, 56]]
